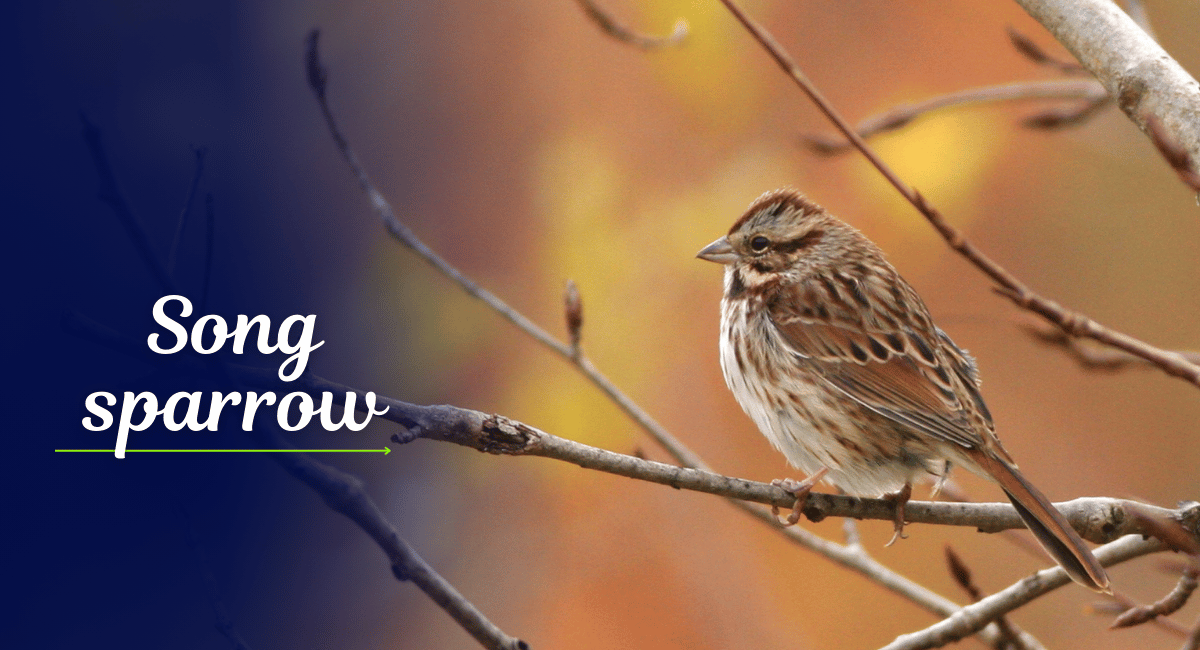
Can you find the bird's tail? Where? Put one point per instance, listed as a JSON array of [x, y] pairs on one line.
[[1049, 526]]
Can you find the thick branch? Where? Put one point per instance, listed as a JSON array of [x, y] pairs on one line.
[[1143, 78], [1097, 519]]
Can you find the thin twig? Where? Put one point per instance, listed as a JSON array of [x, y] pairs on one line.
[[1008, 285], [901, 115], [1034, 52], [1192, 642], [1175, 154], [1095, 358], [962, 575], [1060, 118], [1120, 603], [1166, 606], [173, 255], [1092, 93], [611, 27]]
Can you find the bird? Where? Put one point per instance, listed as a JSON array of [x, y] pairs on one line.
[[838, 362]]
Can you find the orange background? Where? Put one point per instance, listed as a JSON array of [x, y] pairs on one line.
[[529, 148]]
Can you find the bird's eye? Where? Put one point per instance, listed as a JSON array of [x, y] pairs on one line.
[[759, 244]]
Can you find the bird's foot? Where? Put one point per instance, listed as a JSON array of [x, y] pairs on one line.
[[900, 498], [800, 490]]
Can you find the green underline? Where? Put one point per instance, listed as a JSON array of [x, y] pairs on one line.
[[385, 451]]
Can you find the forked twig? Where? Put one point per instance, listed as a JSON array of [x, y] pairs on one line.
[[1008, 285], [898, 116], [1165, 606], [972, 617], [346, 494], [1092, 94], [1092, 357]]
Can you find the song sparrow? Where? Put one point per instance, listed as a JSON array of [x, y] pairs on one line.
[[838, 362]]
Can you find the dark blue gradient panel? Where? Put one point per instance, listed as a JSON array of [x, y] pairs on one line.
[[136, 552]]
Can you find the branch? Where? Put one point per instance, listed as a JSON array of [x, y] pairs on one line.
[[899, 116], [1097, 519], [1092, 357], [962, 575], [972, 618], [1009, 286], [344, 493], [1035, 53], [1143, 78], [1166, 606], [224, 622]]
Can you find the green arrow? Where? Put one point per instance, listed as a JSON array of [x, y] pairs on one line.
[[385, 451]]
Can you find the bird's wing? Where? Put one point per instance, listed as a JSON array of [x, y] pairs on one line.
[[896, 370]]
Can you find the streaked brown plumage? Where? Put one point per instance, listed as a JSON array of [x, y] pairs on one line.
[[838, 362]]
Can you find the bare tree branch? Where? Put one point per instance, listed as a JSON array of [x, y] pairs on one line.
[[1092, 357], [1143, 78], [1009, 286], [1166, 606], [345, 493], [1097, 519], [972, 618], [896, 117], [1175, 155], [224, 622]]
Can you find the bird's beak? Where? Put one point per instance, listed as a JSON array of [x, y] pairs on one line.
[[719, 251]]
